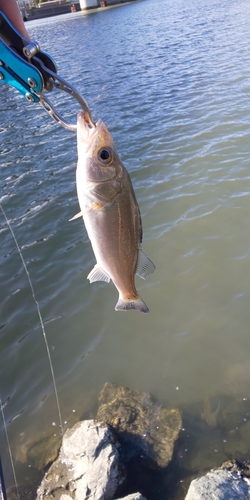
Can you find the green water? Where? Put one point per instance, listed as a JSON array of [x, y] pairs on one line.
[[171, 81]]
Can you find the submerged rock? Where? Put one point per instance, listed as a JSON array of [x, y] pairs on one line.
[[211, 410], [18, 492], [225, 411], [142, 425], [87, 466], [39, 452]]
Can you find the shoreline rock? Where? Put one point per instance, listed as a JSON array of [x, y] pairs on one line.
[[94, 453], [229, 482], [97, 456], [87, 466]]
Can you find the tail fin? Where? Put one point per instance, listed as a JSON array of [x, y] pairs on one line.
[[126, 305]]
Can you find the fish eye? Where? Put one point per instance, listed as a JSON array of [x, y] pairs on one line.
[[105, 156]]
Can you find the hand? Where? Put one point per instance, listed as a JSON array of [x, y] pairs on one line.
[[11, 10]]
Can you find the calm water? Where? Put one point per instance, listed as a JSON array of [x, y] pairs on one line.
[[172, 82]]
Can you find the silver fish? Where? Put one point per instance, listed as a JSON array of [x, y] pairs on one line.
[[111, 214]]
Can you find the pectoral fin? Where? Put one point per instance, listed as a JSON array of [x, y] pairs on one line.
[[97, 274], [76, 216], [145, 266], [95, 206]]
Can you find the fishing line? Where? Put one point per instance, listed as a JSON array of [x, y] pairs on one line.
[[40, 318], [9, 449]]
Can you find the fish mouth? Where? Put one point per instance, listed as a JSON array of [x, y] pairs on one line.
[[86, 134], [90, 139]]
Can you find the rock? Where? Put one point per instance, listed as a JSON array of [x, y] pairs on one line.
[[243, 468], [87, 466], [41, 448], [15, 491], [142, 425], [39, 452], [225, 411], [219, 485], [18, 493], [134, 496]]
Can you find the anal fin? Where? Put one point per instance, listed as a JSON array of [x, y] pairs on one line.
[[97, 274], [145, 266]]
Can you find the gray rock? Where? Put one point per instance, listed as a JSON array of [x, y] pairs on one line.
[[219, 485], [87, 466], [140, 423], [133, 496]]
